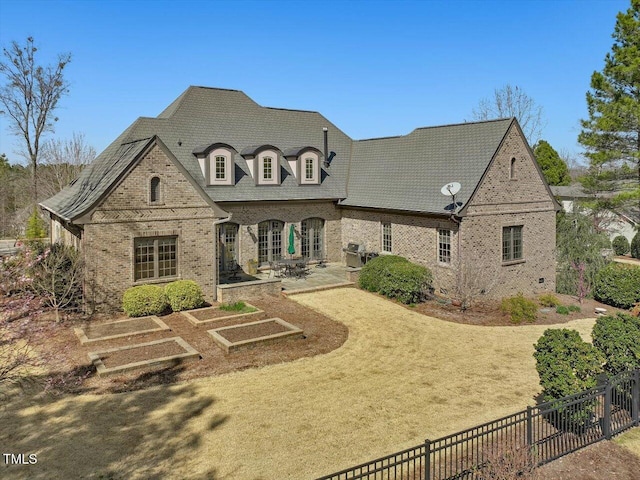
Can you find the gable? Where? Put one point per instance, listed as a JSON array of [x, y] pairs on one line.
[[512, 180]]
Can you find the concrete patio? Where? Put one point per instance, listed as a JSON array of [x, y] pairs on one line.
[[317, 277]]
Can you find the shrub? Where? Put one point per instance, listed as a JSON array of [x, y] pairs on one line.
[[396, 277], [519, 308], [562, 310], [184, 295], [35, 226], [567, 365], [617, 338], [548, 300], [621, 245], [618, 285], [372, 273], [144, 300], [574, 308], [635, 245], [239, 306]]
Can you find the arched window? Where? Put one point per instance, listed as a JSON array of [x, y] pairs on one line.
[[228, 246], [270, 241], [312, 231], [154, 190], [512, 169]]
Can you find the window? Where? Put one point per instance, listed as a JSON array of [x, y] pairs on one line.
[[228, 246], [155, 258], [312, 232], [512, 169], [511, 243], [267, 168], [269, 241], [444, 246], [308, 168], [154, 190], [386, 237], [221, 164]]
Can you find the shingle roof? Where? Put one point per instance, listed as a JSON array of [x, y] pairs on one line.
[[403, 173], [407, 172]]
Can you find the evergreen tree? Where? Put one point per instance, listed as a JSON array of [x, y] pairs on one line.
[[611, 134], [553, 167]]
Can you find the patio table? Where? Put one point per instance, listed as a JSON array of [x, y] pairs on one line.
[[289, 265]]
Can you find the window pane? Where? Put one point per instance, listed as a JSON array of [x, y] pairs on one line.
[[517, 243], [267, 167], [263, 242], [309, 169], [220, 167], [506, 244], [167, 264], [444, 246], [144, 259], [155, 190], [276, 240], [386, 237]]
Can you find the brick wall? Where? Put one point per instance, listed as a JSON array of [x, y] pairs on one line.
[[413, 237], [126, 214], [501, 201], [251, 213]]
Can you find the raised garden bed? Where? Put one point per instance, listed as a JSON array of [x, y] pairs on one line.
[[120, 328], [252, 333], [120, 359], [212, 314]]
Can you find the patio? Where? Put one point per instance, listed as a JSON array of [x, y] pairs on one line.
[[316, 277]]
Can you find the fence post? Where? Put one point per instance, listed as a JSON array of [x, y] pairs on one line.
[[606, 426], [427, 459], [635, 398], [529, 427]]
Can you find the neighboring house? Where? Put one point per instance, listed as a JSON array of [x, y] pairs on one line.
[[217, 179], [624, 222]]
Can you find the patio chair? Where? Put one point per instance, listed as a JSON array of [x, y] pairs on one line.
[[276, 269], [302, 268]]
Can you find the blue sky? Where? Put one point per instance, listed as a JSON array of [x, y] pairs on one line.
[[375, 68]]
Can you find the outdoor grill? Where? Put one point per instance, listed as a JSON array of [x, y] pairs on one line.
[[357, 255]]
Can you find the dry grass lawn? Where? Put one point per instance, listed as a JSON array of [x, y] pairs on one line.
[[630, 440], [399, 378]]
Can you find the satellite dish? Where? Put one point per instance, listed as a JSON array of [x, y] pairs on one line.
[[450, 189]]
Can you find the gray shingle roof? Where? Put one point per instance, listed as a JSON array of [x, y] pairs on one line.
[[403, 173], [407, 172]]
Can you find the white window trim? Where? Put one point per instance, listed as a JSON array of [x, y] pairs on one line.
[[382, 243], [314, 180], [440, 261], [275, 168], [228, 167]]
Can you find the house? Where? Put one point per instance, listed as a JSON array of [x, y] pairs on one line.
[[621, 222], [217, 179]]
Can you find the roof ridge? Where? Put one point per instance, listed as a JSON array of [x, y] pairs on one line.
[[292, 109], [493, 120], [379, 138]]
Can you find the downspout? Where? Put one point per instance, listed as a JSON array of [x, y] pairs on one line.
[[458, 222], [217, 253]]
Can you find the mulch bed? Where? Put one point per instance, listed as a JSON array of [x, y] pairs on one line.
[[489, 313], [212, 313], [70, 370], [248, 332], [133, 326], [148, 352], [596, 462]]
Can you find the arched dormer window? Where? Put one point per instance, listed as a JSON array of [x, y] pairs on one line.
[[217, 163], [268, 168], [305, 164], [154, 190]]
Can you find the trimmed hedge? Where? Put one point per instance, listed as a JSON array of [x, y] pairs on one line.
[[396, 277], [184, 295], [618, 285], [620, 245], [617, 338], [144, 300]]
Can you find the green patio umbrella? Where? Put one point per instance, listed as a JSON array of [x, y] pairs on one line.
[[291, 249]]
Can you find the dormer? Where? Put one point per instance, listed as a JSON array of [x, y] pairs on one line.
[[305, 164], [263, 163], [217, 163]]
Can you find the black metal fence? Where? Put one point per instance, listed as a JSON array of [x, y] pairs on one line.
[[546, 432]]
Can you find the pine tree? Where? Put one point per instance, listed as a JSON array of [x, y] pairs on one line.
[[611, 134]]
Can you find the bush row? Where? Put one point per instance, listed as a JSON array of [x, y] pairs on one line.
[[618, 285], [153, 300], [396, 277]]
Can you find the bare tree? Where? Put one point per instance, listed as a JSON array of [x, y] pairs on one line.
[[30, 96], [62, 161], [510, 101]]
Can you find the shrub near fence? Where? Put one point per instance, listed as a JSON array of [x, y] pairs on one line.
[[615, 407]]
